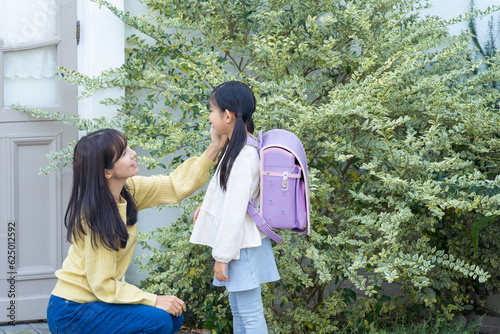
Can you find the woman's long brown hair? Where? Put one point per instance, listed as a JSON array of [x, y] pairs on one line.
[[91, 206]]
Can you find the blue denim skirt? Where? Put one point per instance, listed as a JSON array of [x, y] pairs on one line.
[[255, 266]]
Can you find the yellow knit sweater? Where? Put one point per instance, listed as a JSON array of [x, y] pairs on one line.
[[94, 273]]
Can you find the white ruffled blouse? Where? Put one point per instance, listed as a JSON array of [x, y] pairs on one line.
[[223, 222]]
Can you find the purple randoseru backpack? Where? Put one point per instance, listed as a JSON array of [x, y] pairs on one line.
[[284, 189]]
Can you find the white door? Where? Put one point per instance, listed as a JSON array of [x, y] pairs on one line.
[[36, 36]]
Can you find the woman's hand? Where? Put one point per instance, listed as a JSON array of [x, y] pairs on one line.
[[196, 213], [220, 271], [171, 304], [217, 144], [218, 140]]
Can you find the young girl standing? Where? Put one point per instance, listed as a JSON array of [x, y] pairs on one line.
[[243, 254]]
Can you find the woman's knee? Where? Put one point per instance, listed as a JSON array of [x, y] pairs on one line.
[[177, 323], [165, 323]]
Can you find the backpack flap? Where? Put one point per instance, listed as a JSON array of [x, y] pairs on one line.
[[279, 184], [288, 142]]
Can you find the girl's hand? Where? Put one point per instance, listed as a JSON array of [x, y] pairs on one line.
[[220, 271], [171, 304], [196, 213]]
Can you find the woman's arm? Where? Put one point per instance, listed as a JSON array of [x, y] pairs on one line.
[[171, 304], [172, 188], [100, 266], [101, 274], [185, 180]]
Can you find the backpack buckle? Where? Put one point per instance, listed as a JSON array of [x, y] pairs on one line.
[[284, 184]]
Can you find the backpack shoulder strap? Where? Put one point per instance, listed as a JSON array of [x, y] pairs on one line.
[[253, 142], [261, 223]]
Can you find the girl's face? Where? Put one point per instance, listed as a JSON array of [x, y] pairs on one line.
[[125, 166], [219, 120]]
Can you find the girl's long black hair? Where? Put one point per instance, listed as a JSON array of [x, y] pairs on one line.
[[91, 203], [236, 97]]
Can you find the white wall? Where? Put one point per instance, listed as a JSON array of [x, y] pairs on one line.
[[449, 9], [101, 48]]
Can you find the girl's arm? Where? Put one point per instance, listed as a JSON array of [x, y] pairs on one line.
[[196, 213], [220, 271], [240, 186]]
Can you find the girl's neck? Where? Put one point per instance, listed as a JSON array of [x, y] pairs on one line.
[[229, 135], [231, 129]]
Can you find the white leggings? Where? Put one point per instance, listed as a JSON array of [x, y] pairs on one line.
[[248, 312]]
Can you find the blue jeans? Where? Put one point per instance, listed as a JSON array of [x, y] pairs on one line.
[[65, 316], [248, 312]]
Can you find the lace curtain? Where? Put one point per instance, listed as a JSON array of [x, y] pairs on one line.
[[27, 74]]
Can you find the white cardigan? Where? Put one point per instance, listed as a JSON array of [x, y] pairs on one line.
[[223, 222]]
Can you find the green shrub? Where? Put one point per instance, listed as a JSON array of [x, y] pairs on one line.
[[401, 126], [428, 326]]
